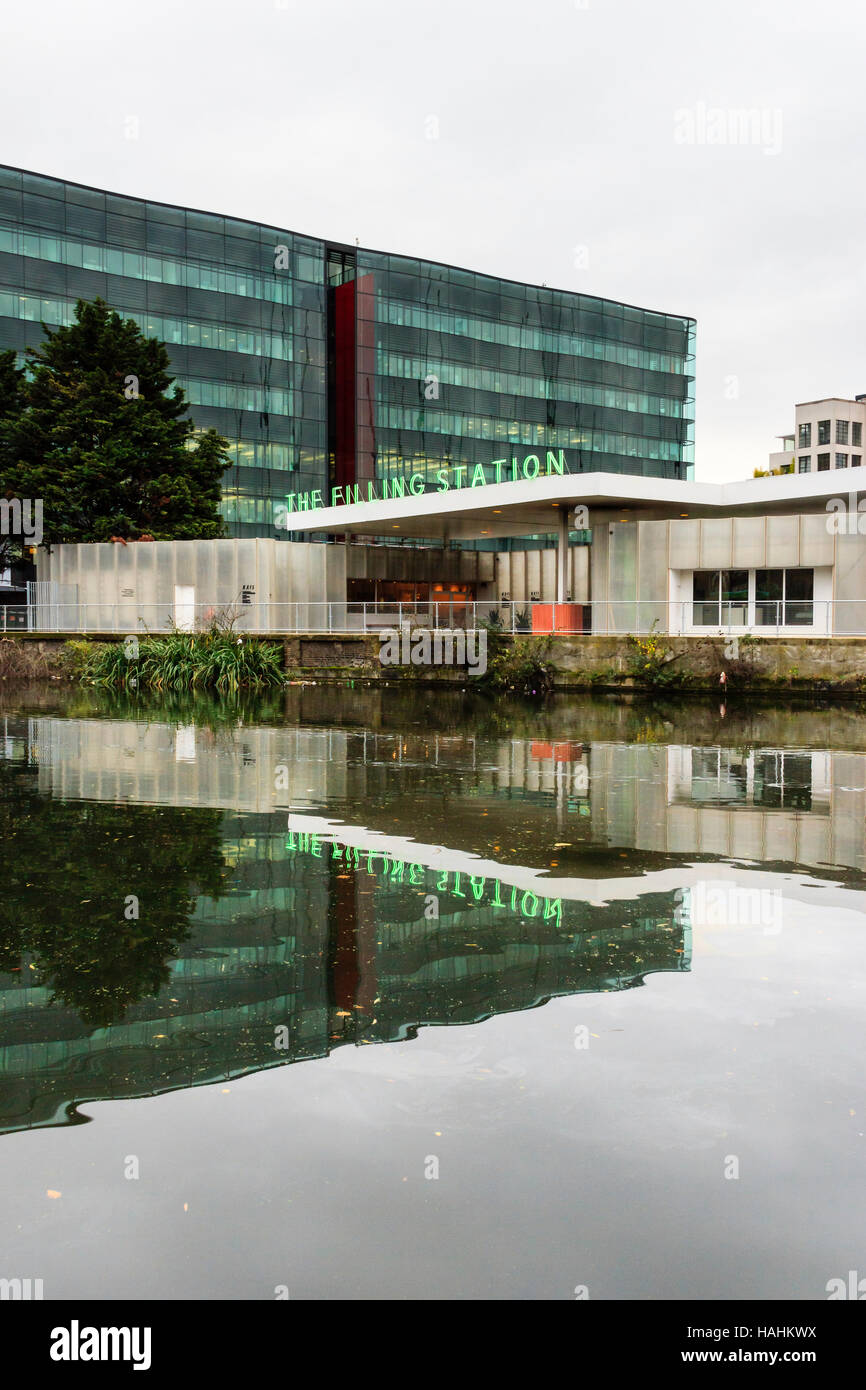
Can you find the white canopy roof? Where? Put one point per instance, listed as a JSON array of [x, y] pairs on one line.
[[530, 506]]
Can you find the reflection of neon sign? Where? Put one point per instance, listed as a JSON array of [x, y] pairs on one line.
[[482, 890], [455, 476]]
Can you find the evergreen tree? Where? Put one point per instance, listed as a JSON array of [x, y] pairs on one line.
[[98, 433], [11, 405], [11, 378]]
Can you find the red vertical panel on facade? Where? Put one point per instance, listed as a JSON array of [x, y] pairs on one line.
[[344, 353], [355, 982], [346, 966], [365, 376], [367, 933]]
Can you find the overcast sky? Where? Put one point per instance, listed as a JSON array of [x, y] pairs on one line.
[[594, 145]]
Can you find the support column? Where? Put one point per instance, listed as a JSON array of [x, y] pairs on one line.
[[562, 556]]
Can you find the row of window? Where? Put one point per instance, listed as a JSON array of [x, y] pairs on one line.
[[843, 428], [245, 453], [595, 441], [139, 266], [510, 432], [510, 384], [522, 336], [225, 396], [250, 510], [186, 332], [42, 189], [407, 272], [764, 598], [303, 345], [309, 397], [804, 462], [516, 433], [506, 301]]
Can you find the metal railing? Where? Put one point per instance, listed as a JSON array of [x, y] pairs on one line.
[[840, 617], [13, 618]]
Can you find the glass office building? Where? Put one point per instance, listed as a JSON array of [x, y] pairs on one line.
[[326, 365]]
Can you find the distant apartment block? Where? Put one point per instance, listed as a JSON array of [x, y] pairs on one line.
[[827, 434]]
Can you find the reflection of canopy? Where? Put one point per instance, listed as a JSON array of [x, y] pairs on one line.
[[547, 887]]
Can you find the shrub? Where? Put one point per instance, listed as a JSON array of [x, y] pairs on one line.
[[178, 661], [649, 660], [75, 657], [519, 664]]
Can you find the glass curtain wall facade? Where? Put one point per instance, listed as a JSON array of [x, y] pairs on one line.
[[471, 370], [240, 307], [326, 365]]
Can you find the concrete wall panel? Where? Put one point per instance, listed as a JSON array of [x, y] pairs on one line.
[[816, 541], [783, 542], [749, 544], [717, 542], [685, 545]]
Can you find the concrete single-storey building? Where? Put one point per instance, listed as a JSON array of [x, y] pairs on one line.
[[778, 555]]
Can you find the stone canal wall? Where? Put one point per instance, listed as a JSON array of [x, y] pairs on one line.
[[579, 662], [605, 663]]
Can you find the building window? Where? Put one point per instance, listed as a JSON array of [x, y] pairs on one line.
[[823, 462], [841, 431], [784, 598], [805, 463], [735, 597], [823, 431], [783, 781], [856, 460], [767, 778], [721, 598], [856, 433], [719, 777], [805, 436], [705, 594], [841, 460], [799, 598]]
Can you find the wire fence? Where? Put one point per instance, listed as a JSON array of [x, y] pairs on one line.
[[837, 617]]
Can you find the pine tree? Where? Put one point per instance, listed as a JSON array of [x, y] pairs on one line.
[[11, 405], [98, 433]]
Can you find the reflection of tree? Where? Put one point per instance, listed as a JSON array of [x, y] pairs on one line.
[[68, 870]]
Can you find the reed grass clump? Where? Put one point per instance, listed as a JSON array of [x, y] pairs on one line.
[[178, 661]]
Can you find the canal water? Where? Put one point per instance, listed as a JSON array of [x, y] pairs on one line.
[[372, 993]]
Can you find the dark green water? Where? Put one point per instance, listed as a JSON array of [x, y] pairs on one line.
[[383, 994]]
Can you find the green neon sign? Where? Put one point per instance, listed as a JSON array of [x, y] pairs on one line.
[[454, 476]]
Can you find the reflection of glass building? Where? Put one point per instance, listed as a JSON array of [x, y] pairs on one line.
[[313, 944], [330, 936], [313, 948], [326, 365]]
